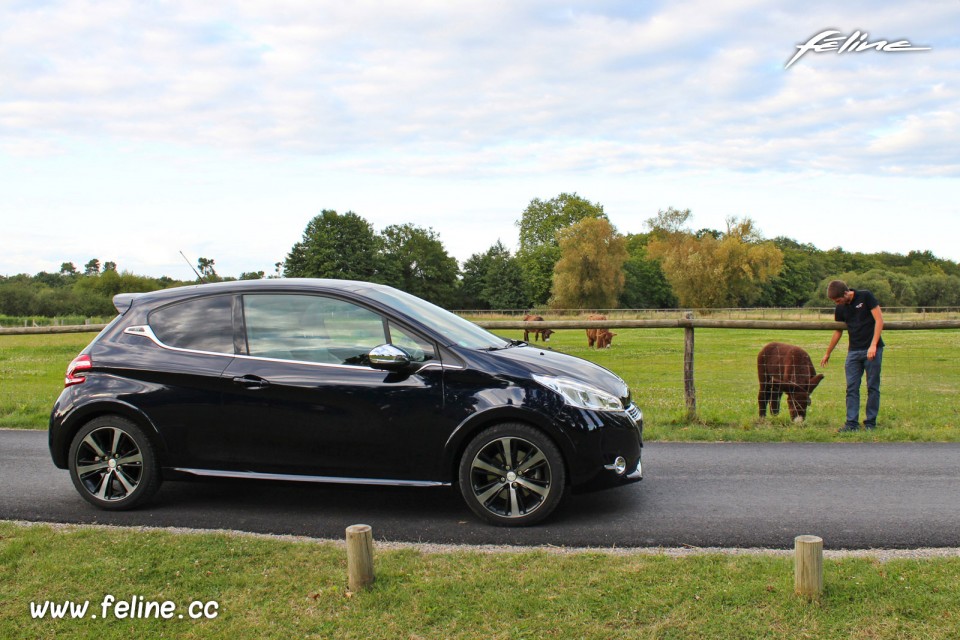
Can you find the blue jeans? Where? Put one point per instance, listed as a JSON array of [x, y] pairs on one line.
[[856, 364]]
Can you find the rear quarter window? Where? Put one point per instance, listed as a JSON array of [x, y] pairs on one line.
[[200, 324]]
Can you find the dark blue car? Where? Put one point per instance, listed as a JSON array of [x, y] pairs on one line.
[[338, 382]]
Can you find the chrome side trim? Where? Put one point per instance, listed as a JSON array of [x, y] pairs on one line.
[[144, 331], [636, 474], [254, 475]]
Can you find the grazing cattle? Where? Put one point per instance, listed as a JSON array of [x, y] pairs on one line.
[[537, 333], [785, 368], [602, 338]]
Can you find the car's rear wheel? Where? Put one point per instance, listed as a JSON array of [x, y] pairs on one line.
[[512, 475], [113, 464]]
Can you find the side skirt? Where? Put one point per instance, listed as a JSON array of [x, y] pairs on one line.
[[253, 475]]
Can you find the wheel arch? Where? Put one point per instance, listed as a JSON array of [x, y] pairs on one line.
[[461, 437], [81, 415]]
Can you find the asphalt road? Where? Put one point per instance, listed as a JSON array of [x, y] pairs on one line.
[[702, 495]]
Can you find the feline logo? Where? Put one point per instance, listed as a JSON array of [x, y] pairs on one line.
[[856, 42]]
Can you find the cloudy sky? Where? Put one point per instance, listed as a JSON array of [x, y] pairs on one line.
[[132, 130]]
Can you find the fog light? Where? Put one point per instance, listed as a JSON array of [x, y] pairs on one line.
[[619, 466]]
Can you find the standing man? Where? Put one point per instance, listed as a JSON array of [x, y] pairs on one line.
[[860, 311]]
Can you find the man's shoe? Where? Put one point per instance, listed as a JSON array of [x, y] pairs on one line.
[[846, 429]]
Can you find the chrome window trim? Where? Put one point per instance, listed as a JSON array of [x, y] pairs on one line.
[[289, 477], [145, 331]]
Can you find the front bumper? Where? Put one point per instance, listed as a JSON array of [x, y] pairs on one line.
[[610, 452]]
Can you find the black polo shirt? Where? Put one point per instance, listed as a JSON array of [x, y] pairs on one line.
[[859, 319]]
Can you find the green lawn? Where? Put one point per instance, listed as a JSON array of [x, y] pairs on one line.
[[32, 369], [921, 378], [288, 589]]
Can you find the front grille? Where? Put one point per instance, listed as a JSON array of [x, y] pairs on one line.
[[634, 412]]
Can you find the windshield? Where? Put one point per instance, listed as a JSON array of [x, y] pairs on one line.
[[453, 327]]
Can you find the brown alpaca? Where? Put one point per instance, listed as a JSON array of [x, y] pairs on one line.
[[785, 368], [602, 338], [537, 333]]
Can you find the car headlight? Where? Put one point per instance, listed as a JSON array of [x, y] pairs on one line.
[[578, 394]]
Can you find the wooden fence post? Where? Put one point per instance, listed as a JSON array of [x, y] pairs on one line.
[[359, 556], [689, 389], [808, 566]]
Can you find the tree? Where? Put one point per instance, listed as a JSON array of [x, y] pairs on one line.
[[68, 269], [589, 274], [415, 261], [207, 272], [644, 286], [798, 280], [541, 220], [472, 279], [493, 279], [504, 286], [336, 246], [706, 271], [109, 266], [537, 266], [938, 291], [92, 268], [539, 246], [252, 275]]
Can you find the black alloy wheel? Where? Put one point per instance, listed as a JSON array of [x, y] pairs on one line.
[[113, 464], [512, 475]]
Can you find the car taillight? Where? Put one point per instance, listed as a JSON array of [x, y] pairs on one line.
[[77, 371]]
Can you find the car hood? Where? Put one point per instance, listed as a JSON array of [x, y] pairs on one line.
[[529, 360]]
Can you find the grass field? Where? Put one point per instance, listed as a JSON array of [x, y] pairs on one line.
[[921, 380], [297, 589]]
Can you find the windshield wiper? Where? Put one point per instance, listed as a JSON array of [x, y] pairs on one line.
[[511, 343]]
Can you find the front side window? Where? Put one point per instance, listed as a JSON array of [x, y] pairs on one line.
[[200, 324], [310, 328], [420, 349]]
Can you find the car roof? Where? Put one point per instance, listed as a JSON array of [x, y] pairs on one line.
[[123, 301]]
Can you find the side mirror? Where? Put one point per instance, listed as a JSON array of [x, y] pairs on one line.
[[389, 358]]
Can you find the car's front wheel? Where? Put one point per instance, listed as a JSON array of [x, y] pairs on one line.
[[512, 475], [113, 464]]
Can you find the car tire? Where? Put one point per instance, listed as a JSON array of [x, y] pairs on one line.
[[512, 475], [113, 464]]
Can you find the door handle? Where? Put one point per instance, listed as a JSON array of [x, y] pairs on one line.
[[251, 382]]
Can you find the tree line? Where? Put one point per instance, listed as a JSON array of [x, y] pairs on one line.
[[570, 256]]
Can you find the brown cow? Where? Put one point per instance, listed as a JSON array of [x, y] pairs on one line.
[[602, 338], [785, 368], [537, 333]]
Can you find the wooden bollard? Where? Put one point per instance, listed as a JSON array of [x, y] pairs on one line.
[[808, 566], [359, 556]]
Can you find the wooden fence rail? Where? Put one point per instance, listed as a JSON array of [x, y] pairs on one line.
[[67, 328]]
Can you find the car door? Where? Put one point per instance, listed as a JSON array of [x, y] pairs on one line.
[[179, 356], [304, 400]]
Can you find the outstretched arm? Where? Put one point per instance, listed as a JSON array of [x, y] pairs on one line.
[[833, 343]]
